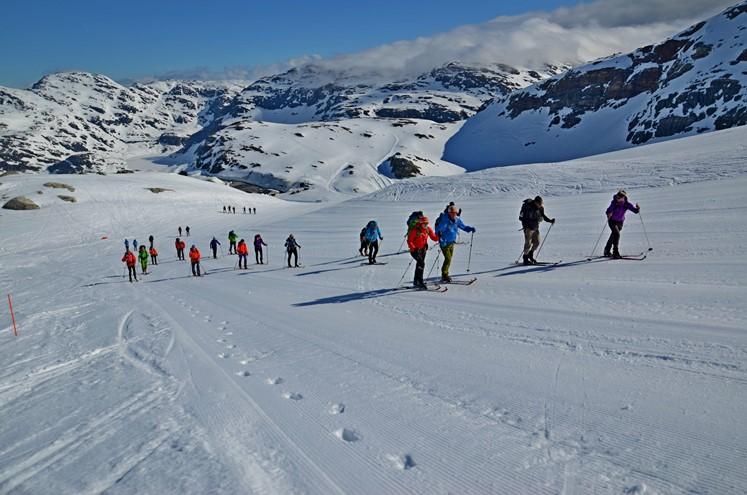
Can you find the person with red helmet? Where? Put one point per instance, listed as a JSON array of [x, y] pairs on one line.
[[194, 258], [180, 245], [130, 259], [242, 250]]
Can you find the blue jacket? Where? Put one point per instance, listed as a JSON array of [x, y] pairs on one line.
[[373, 235], [447, 230]]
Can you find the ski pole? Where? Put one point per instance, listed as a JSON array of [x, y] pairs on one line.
[[544, 239], [405, 273], [403, 243], [124, 269], [598, 239], [644, 231], [434, 263], [469, 259]]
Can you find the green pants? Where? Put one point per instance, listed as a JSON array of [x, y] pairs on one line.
[[144, 265], [448, 251]]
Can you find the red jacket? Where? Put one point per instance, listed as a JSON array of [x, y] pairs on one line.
[[242, 248], [129, 258], [153, 252], [194, 255], [180, 244], [418, 234]]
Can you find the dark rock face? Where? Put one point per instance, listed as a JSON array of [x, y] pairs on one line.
[[75, 164], [172, 140], [403, 168]]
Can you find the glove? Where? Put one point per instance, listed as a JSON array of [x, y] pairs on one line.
[[638, 206], [473, 230], [552, 221]]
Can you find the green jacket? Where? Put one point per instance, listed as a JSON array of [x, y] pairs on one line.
[[143, 256], [232, 237]]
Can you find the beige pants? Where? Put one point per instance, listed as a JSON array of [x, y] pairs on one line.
[[531, 240]]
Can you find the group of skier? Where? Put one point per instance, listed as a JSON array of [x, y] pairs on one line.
[[446, 231], [232, 209]]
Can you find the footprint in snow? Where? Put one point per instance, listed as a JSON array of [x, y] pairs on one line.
[[401, 461], [292, 396], [274, 381], [222, 341], [229, 333], [336, 408], [231, 346], [243, 373], [348, 435], [224, 355]]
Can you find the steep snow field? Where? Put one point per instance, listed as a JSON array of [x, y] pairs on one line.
[[585, 377]]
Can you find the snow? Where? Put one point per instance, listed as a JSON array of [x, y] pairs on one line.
[[586, 377]]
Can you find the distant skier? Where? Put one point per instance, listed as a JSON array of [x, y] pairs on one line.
[[254, 211], [447, 229], [134, 244], [180, 245], [180, 231], [418, 232], [187, 230], [363, 250], [243, 250], [258, 243], [615, 218], [143, 257], [292, 247], [531, 214], [194, 258], [214, 247], [150, 240], [130, 259], [232, 242], [224, 208], [373, 235], [153, 256], [127, 245]]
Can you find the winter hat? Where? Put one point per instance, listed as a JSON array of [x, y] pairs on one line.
[[622, 193], [538, 199], [452, 208]]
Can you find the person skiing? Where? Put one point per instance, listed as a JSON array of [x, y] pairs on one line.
[[243, 251], [234, 210], [245, 210], [224, 208], [363, 250], [258, 243], [180, 245], [232, 242], [214, 247], [180, 231], [130, 259], [194, 258], [142, 255], [373, 235], [153, 256], [187, 230], [531, 214], [150, 240], [447, 229], [255, 211], [292, 247], [418, 232], [127, 245], [615, 218], [134, 244]]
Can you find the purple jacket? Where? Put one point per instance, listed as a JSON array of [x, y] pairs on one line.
[[258, 243], [618, 210]]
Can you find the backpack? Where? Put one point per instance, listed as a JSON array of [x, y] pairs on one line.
[[529, 211], [370, 230], [413, 216], [441, 219]]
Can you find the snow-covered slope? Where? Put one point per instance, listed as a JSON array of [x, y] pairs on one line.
[[82, 122], [598, 377], [693, 82]]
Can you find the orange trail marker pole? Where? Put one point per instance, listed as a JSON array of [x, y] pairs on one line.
[[12, 316]]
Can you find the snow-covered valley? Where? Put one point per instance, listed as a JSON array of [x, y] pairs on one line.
[[583, 377]]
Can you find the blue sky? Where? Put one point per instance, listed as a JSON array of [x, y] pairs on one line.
[[137, 38]]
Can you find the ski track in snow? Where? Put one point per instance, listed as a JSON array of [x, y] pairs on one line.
[[577, 378]]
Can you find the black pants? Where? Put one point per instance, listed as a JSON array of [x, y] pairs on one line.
[[292, 252], [613, 242], [196, 268], [242, 257], [232, 248], [215, 253], [258, 256], [132, 272], [180, 254], [154, 259], [419, 257], [373, 250], [364, 247]]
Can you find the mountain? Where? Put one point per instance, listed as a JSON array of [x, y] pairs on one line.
[[82, 122], [691, 83]]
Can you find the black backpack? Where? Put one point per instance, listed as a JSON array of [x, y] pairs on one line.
[[413, 216], [529, 211]]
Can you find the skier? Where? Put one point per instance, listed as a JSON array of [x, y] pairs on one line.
[[134, 244], [245, 210], [194, 258], [187, 230], [363, 250], [180, 245], [143, 257], [447, 229], [127, 245], [150, 240], [615, 218], [258, 243], [255, 211], [531, 214], [214, 247], [224, 208], [373, 235], [234, 210], [418, 232], [153, 255], [180, 231], [292, 247], [232, 242], [130, 260], [243, 252], [451, 203]]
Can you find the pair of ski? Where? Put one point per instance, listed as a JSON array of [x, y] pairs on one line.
[[440, 287], [633, 257]]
